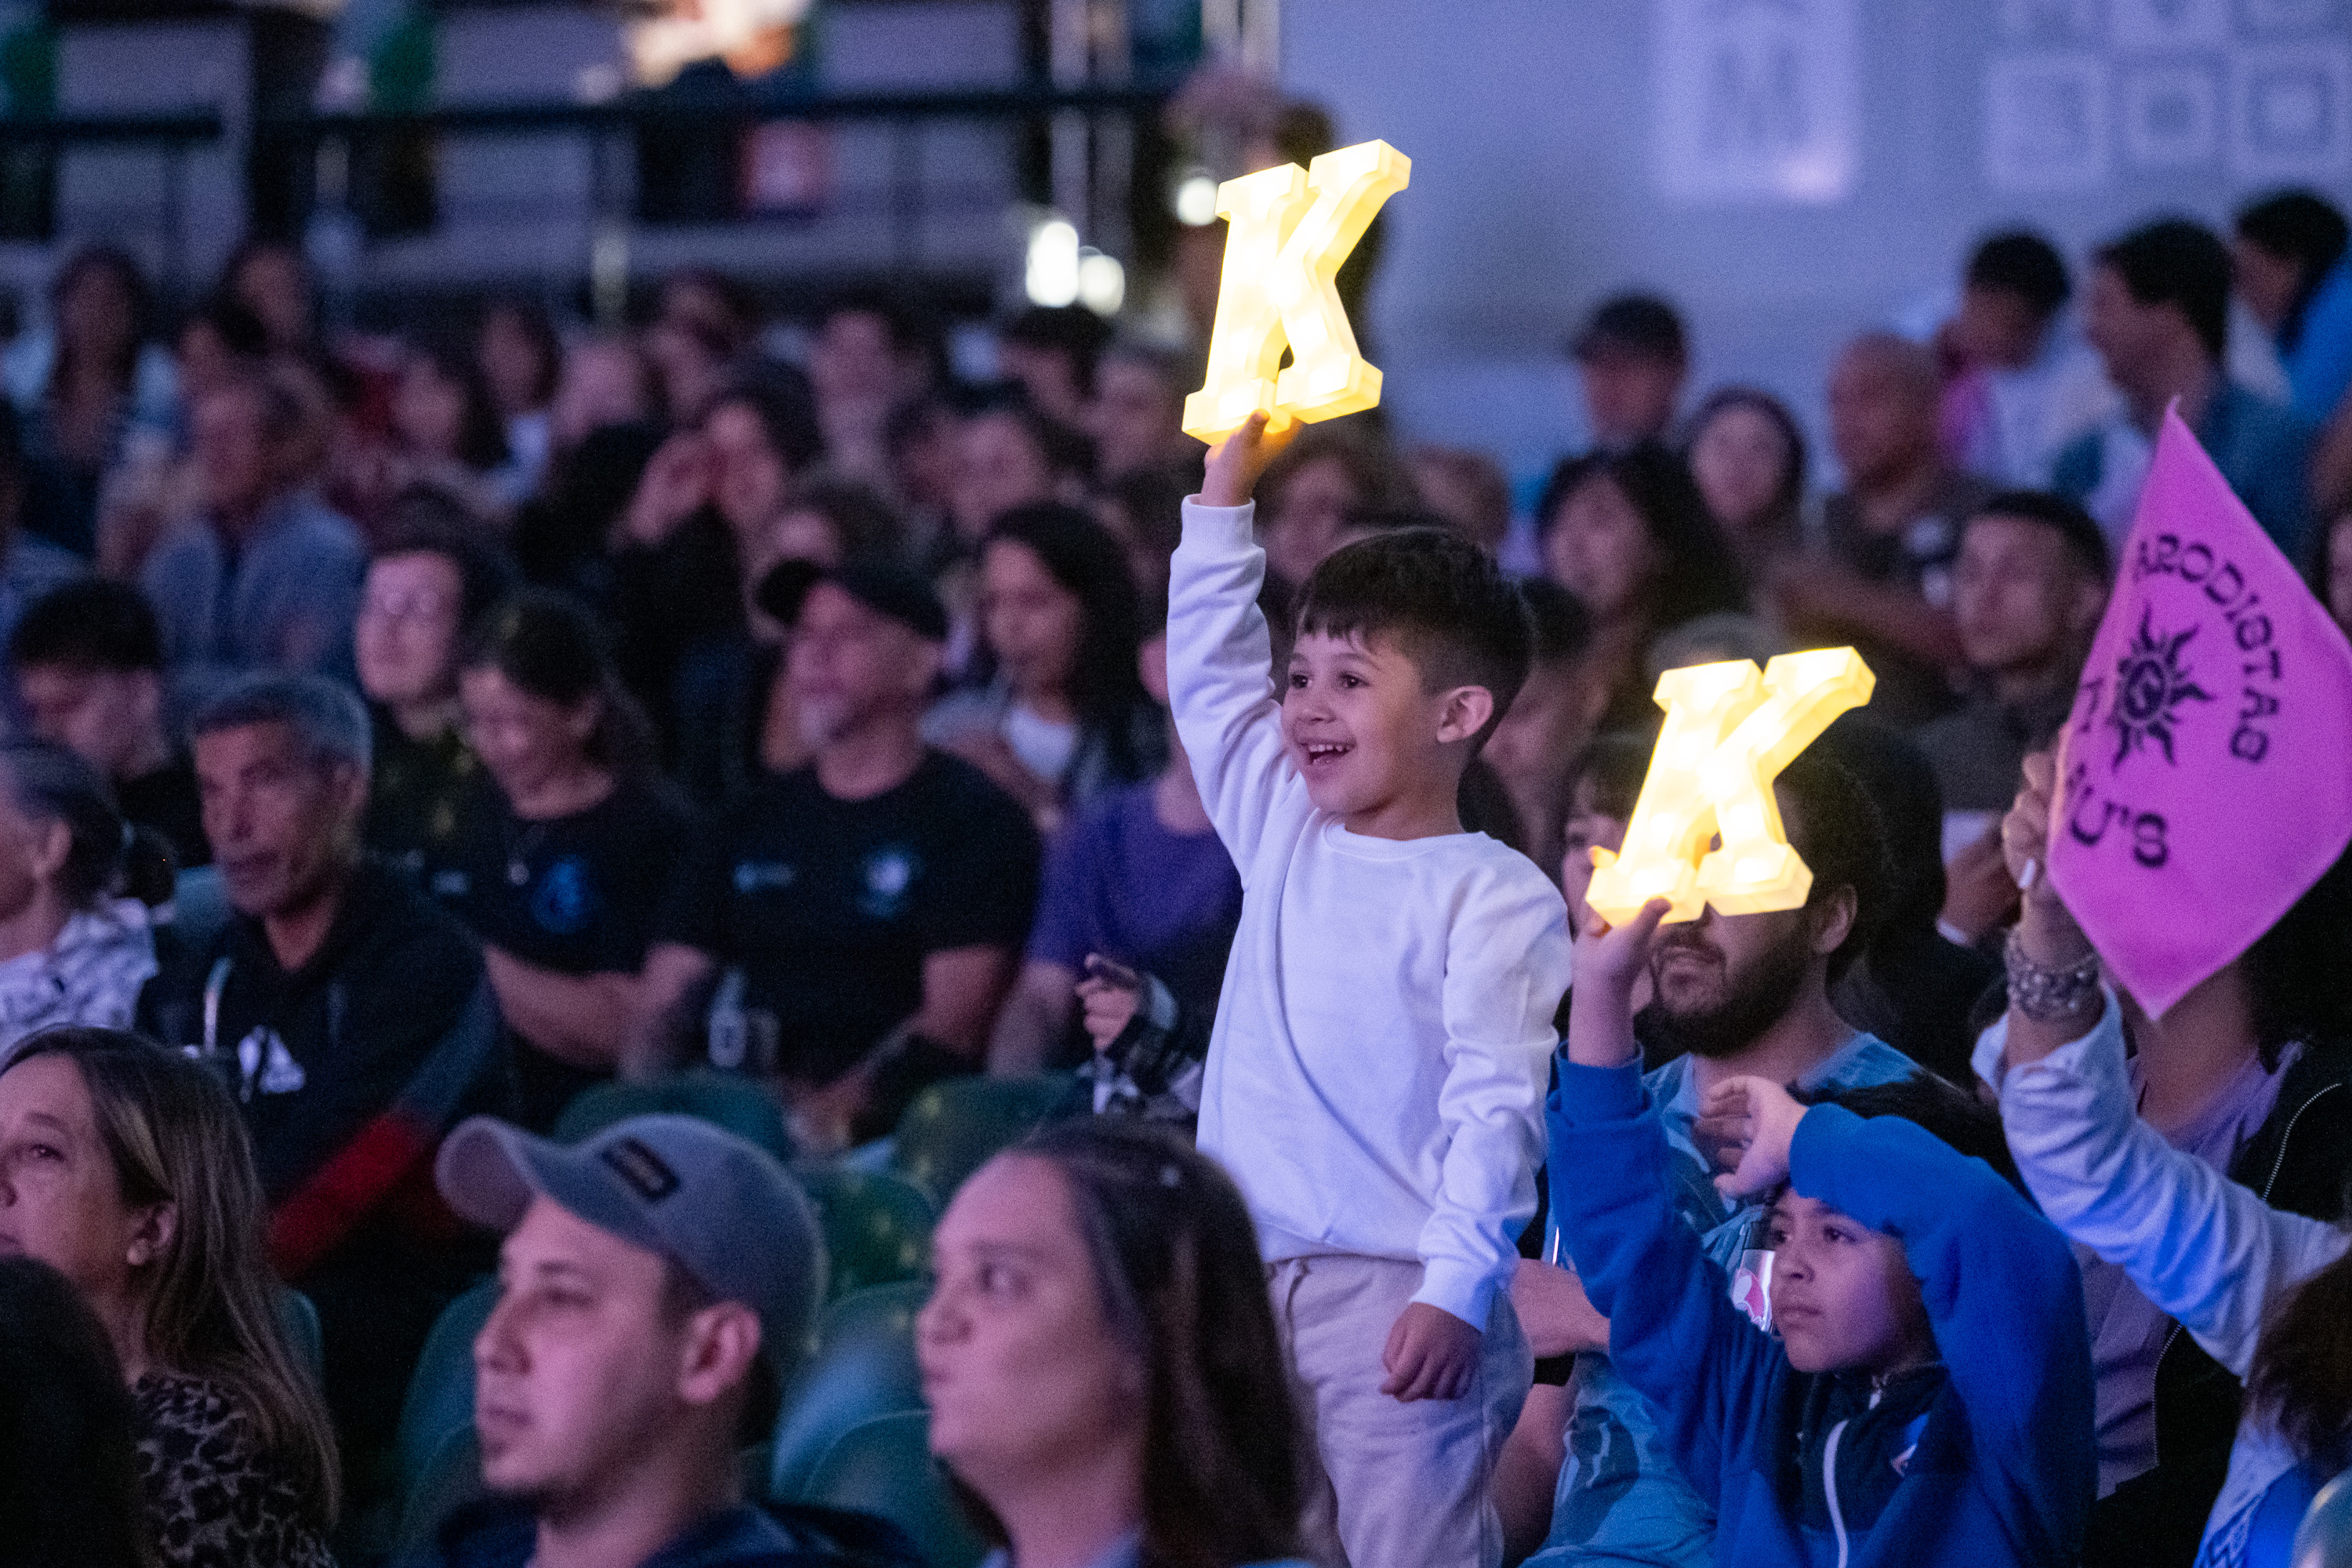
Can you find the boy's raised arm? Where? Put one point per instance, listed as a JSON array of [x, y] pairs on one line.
[[1674, 1331], [1220, 680]]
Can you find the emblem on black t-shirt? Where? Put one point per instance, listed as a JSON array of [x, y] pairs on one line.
[[564, 902], [888, 875], [263, 1063]]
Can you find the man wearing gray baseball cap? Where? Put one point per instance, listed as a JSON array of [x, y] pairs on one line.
[[656, 1281]]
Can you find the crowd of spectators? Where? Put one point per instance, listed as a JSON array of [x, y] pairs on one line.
[[419, 731]]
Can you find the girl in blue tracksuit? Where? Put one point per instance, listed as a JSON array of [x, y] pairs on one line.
[[1926, 1398]]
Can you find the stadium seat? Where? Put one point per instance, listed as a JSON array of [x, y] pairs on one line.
[[954, 1128], [199, 907], [739, 1105], [452, 1478], [878, 1227], [2324, 1538], [864, 1367], [884, 1467], [440, 1401], [300, 1319]]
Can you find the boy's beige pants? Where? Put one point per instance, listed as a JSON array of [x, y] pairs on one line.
[[1398, 1486]]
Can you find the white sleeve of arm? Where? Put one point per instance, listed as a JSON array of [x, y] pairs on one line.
[[1221, 680], [2208, 1251], [1506, 968]]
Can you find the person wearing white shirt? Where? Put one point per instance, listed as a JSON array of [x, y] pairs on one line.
[[1376, 1073]]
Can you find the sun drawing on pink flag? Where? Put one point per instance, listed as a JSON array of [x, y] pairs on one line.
[[2151, 683]]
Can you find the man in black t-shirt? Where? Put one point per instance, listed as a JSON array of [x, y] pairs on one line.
[[850, 928]]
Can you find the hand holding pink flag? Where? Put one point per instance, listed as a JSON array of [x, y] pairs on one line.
[[2207, 765]]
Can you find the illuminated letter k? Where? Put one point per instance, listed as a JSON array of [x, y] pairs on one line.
[[1729, 732], [1288, 233]]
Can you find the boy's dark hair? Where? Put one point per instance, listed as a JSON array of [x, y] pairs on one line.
[[2177, 262], [1395, 519], [88, 626], [1958, 1117], [2074, 526], [2021, 262], [1444, 600], [1836, 828], [1639, 325], [424, 519]]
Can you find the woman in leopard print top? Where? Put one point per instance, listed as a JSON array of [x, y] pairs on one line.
[[131, 1175], [216, 1500]]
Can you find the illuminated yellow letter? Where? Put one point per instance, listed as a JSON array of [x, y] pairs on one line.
[[1727, 734], [1288, 233]]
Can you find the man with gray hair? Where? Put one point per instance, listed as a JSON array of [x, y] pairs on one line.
[[352, 1022]]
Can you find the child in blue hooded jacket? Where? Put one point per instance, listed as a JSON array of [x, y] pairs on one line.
[[1926, 1398]]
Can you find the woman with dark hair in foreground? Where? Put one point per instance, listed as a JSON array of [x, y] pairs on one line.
[[1100, 1360]]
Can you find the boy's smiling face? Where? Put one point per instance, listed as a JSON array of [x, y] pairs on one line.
[[1843, 1297], [1362, 729]]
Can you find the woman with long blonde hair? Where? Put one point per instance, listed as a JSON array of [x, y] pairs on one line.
[[126, 1168]]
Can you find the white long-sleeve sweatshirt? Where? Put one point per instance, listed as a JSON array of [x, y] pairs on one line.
[[1376, 1076]]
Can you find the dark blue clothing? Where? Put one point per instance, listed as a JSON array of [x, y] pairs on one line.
[[503, 1532], [2000, 1470], [2262, 447]]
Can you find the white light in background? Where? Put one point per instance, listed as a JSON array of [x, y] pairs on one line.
[[753, 36], [1196, 200], [1052, 274], [1102, 282]]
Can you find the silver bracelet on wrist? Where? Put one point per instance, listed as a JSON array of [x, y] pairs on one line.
[[2049, 995]]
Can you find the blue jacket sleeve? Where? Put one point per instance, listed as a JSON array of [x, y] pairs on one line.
[[2002, 1294], [1674, 1332]]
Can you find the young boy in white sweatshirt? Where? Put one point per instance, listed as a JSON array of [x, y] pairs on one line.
[[1376, 1075]]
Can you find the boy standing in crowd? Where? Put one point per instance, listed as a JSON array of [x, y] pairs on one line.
[[1380, 1047]]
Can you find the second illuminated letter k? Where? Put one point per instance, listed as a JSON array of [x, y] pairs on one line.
[[1729, 732]]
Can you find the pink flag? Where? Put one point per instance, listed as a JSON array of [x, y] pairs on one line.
[[2206, 766]]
